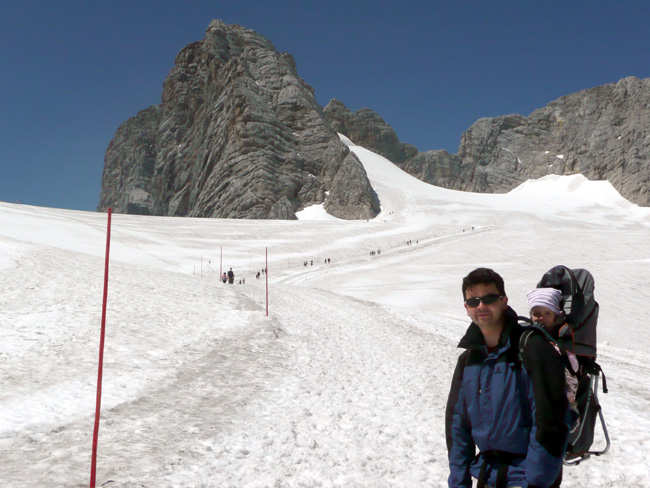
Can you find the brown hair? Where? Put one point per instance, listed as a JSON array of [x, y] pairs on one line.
[[483, 276]]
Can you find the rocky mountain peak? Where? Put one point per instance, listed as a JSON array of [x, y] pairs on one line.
[[238, 134]]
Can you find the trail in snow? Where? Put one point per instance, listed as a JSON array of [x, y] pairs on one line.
[[173, 376], [357, 401]]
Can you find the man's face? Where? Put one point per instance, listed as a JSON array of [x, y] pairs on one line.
[[486, 315]]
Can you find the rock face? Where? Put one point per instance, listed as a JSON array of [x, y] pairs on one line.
[[238, 135], [603, 133], [437, 167], [366, 128]]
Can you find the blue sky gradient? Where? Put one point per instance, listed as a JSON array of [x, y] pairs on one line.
[[73, 71]]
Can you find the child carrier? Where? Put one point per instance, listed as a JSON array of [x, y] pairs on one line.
[[579, 337]]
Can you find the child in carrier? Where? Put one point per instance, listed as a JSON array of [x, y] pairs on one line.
[[545, 311]]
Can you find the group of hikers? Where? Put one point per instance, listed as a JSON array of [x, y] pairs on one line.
[[513, 392], [310, 262], [228, 277]]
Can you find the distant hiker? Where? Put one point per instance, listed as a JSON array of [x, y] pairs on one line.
[[257, 275], [231, 276], [224, 277], [493, 397]]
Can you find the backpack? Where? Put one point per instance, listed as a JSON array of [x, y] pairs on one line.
[[579, 337]]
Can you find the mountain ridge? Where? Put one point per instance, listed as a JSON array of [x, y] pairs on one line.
[[238, 134], [601, 132]]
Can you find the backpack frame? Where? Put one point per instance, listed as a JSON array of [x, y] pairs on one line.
[[581, 314], [581, 437]]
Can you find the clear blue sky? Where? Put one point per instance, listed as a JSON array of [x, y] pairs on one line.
[[73, 71]]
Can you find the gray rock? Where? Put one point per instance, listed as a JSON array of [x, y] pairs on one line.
[[238, 135], [437, 167], [357, 203], [603, 133], [366, 128], [129, 167]]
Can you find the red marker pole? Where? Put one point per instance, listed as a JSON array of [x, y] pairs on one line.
[[266, 273], [93, 464]]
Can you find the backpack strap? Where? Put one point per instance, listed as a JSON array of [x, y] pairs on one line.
[[530, 328], [523, 341], [567, 363], [604, 379], [499, 460]]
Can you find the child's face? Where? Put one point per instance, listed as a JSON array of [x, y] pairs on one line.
[[544, 316]]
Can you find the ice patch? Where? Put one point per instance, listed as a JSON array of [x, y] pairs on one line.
[[345, 140], [315, 212], [556, 192]]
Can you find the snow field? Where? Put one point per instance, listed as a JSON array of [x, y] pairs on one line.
[[344, 385]]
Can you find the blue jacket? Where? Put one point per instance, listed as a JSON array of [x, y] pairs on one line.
[[498, 406]]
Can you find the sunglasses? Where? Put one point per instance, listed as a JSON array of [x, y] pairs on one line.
[[487, 299]]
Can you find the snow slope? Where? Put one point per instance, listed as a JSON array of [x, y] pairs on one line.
[[344, 383]]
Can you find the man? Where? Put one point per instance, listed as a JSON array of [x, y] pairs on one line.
[[514, 415]]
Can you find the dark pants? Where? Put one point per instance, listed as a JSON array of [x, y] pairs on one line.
[[556, 484]]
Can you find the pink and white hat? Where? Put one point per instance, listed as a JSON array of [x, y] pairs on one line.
[[545, 297]]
